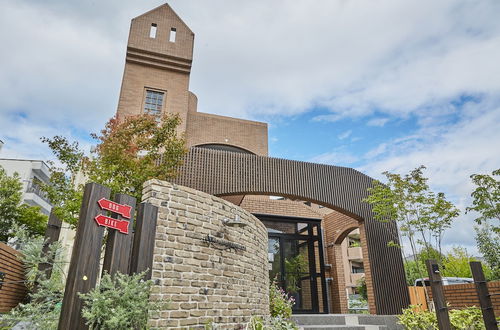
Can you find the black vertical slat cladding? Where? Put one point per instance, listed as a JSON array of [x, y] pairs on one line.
[[340, 188]]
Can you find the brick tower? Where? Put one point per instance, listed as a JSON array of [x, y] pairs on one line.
[[157, 66], [156, 81]]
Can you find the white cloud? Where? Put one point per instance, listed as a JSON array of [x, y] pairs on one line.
[[62, 63], [338, 157], [379, 122], [451, 153], [344, 135]]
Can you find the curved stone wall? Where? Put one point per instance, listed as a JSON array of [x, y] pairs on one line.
[[205, 270]]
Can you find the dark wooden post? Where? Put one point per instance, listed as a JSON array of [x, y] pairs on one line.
[[144, 240], [51, 235], [84, 266], [438, 295], [118, 245], [484, 296]]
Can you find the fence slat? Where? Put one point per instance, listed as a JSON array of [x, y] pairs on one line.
[[51, 235], [84, 266], [118, 245], [483, 295], [438, 295], [144, 239]]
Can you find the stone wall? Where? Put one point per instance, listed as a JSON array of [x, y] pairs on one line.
[[202, 281]]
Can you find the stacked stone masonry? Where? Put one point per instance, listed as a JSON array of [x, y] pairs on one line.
[[202, 282]]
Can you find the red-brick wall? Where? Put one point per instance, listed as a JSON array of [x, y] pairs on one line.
[[464, 295]]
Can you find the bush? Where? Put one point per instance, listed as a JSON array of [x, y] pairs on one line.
[[43, 306], [413, 319], [280, 309], [119, 302], [280, 305], [469, 318]]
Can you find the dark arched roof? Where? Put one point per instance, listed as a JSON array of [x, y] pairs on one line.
[[343, 189], [223, 147]]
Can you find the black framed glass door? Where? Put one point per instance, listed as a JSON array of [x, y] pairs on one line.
[[296, 261]]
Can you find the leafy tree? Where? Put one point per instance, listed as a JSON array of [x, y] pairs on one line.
[[12, 211], [456, 263], [10, 198], [486, 201], [129, 152], [487, 198], [422, 216], [488, 243]]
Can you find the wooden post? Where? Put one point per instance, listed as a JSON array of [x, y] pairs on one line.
[[51, 235], [438, 295], [144, 240], [84, 266], [118, 245], [483, 295]]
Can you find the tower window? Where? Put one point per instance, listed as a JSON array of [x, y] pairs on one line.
[[152, 31], [153, 103], [173, 32]]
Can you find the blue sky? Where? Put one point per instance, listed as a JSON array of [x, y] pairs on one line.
[[375, 85]]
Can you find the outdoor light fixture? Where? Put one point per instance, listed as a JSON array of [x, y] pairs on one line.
[[234, 223]]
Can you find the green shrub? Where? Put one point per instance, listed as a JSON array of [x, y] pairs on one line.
[[280, 304], [43, 306], [119, 302], [469, 318], [280, 309], [413, 319]]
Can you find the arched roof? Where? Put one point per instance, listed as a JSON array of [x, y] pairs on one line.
[[343, 189]]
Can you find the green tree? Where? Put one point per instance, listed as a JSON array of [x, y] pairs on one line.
[[486, 198], [10, 198], [129, 152], [488, 243], [486, 201], [422, 215], [456, 263], [12, 211]]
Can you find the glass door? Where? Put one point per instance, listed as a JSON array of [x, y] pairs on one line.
[[296, 262]]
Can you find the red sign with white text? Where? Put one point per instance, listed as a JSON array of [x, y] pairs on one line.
[[121, 209], [120, 225]]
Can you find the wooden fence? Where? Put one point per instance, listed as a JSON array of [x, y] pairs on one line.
[[459, 295], [12, 288]]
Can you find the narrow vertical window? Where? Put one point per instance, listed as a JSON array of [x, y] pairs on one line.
[[152, 31], [173, 32]]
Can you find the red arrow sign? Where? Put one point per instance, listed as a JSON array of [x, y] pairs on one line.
[[121, 209], [120, 225]]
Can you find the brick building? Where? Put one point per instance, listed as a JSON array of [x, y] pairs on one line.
[[309, 209]]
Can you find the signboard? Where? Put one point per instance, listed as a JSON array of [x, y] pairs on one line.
[[121, 209], [120, 225]]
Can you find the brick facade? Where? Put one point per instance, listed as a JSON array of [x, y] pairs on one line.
[[161, 65], [205, 282]]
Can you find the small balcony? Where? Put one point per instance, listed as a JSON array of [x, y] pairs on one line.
[[35, 196], [355, 277], [36, 189], [355, 253]]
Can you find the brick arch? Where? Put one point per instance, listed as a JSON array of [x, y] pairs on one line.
[[344, 232], [339, 188]]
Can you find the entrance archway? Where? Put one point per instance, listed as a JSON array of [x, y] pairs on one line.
[[342, 189]]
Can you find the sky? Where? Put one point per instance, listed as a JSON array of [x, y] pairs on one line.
[[374, 85]]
